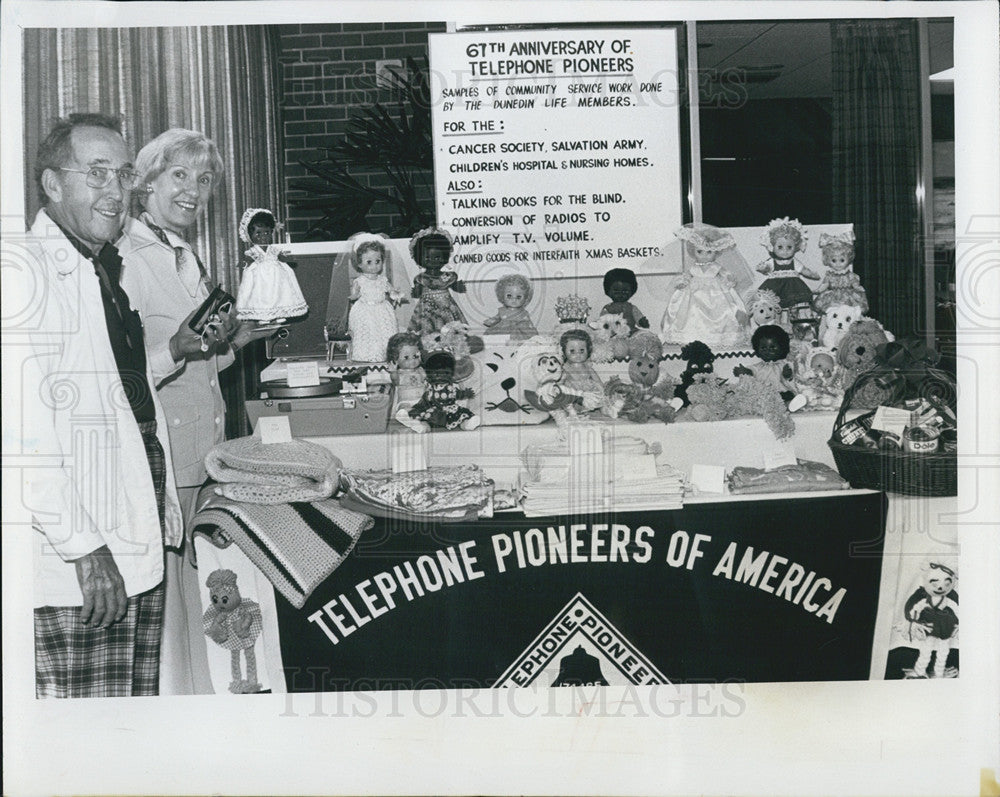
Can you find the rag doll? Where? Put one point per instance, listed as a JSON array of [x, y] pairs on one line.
[[372, 319], [438, 406], [700, 365], [578, 374], [818, 378], [233, 623], [771, 344], [839, 285], [268, 291], [783, 238], [705, 303], [551, 395], [620, 285], [647, 396], [763, 308], [408, 377], [513, 292], [431, 250], [932, 613]]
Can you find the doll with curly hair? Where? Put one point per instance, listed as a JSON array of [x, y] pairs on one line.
[[431, 249], [620, 285], [839, 285], [783, 239], [513, 291], [771, 344]]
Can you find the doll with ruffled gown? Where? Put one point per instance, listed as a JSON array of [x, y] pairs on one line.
[[705, 303], [431, 250], [839, 285], [783, 238], [269, 291], [372, 319]]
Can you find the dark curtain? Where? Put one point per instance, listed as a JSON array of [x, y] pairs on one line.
[[876, 157], [222, 81]]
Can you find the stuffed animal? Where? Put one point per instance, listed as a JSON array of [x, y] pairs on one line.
[[858, 353], [700, 363], [932, 614], [235, 624], [836, 320], [610, 337], [715, 400], [647, 396]]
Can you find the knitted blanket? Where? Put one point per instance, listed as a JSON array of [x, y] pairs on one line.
[[296, 545], [273, 473]]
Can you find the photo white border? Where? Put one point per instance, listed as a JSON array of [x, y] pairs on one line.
[[805, 738]]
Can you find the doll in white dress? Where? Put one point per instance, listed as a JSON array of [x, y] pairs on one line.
[[269, 291], [705, 304], [372, 319]]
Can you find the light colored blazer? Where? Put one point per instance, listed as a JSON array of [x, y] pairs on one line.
[[85, 478], [189, 390]]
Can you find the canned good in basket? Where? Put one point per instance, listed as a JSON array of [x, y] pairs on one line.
[[921, 439], [949, 440]]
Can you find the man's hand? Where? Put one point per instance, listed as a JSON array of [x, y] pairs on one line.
[[104, 598]]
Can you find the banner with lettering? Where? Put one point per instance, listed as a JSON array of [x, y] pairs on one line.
[[556, 153], [761, 590]]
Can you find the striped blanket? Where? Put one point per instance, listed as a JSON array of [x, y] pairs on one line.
[[296, 545]]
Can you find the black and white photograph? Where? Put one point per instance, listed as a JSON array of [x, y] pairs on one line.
[[400, 391]]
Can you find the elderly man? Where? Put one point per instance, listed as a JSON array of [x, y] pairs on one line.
[[102, 496]]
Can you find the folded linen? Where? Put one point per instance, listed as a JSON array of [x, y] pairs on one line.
[[296, 545], [273, 473], [805, 476]]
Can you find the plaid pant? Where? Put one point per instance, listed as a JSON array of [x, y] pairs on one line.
[[74, 660]]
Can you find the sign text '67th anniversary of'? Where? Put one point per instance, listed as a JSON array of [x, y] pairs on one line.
[[557, 152]]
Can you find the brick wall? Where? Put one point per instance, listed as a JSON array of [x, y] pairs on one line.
[[326, 71]]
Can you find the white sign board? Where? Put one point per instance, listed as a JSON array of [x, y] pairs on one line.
[[556, 153]]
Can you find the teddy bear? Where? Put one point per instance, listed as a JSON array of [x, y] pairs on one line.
[[233, 623], [610, 336], [713, 399], [857, 353], [648, 396], [836, 320], [932, 614]]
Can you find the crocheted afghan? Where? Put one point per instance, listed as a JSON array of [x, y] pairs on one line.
[[296, 545], [276, 473]]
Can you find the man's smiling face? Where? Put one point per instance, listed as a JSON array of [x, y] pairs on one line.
[[94, 215]]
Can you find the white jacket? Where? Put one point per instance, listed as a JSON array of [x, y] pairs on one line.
[[189, 390], [85, 480]]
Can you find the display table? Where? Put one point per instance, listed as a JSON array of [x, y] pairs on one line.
[[497, 449], [685, 622]]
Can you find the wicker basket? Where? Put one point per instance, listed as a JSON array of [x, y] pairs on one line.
[[933, 474]]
